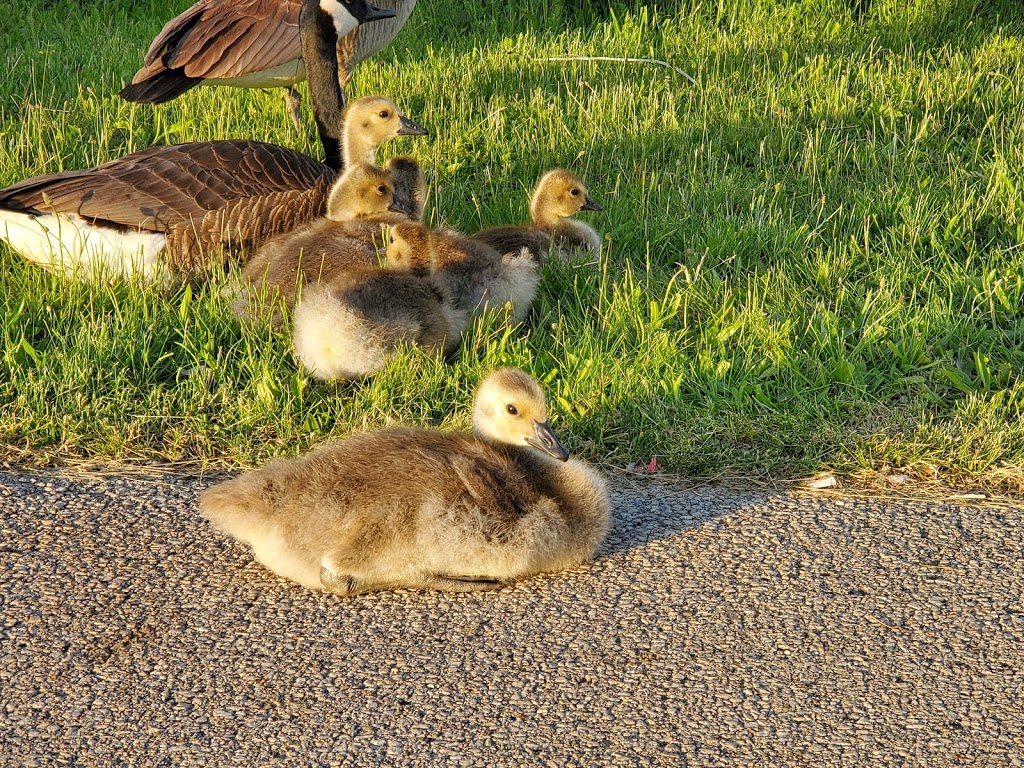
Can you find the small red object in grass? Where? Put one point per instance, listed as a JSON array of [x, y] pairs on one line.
[[653, 465]]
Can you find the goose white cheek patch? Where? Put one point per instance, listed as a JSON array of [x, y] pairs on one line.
[[344, 22]]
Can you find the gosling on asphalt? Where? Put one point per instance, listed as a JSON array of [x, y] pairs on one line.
[[423, 509]]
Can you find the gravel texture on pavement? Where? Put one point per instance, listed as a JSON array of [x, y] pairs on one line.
[[714, 628]]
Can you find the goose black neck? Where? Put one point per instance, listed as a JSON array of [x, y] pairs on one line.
[[320, 56]]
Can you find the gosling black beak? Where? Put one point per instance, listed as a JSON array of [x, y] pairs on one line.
[[400, 206], [590, 205], [373, 13], [409, 128], [544, 439]]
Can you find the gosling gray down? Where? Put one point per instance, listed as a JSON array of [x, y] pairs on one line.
[[409, 185], [474, 275], [361, 197], [348, 327], [424, 509], [558, 195]]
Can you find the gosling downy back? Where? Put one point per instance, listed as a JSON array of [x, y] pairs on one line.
[[424, 509], [471, 274], [360, 203], [347, 328], [558, 195]]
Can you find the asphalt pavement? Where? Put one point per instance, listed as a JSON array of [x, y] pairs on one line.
[[714, 628]]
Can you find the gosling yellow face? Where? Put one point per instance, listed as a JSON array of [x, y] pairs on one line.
[[410, 248], [510, 408], [362, 190], [378, 119], [560, 193]]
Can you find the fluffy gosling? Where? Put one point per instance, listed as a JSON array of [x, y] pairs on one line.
[[423, 509], [347, 328], [558, 195], [473, 274], [360, 204]]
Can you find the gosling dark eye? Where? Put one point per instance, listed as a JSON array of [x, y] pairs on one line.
[[382, 189], [574, 192], [384, 114], [511, 410]]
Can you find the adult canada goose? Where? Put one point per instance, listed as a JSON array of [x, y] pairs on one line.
[[252, 44], [558, 195], [424, 509], [347, 327], [360, 206], [170, 211], [475, 275]]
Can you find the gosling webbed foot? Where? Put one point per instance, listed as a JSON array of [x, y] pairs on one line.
[[461, 583], [337, 584]]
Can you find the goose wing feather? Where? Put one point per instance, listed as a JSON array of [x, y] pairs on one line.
[[218, 39], [161, 187]]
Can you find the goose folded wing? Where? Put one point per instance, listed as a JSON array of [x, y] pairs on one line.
[[158, 188], [247, 36]]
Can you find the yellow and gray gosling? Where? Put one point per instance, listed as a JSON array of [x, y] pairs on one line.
[[368, 123], [473, 274], [360, 204], [401, 178], [347, 328], [558, 195], [423, 509]]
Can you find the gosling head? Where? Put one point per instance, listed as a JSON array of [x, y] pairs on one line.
[[408, 178], [411, 249], [369, 122], [510, 409], [558, 194], [363, 191]]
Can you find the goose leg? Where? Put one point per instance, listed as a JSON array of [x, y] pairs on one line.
[[294, 101]]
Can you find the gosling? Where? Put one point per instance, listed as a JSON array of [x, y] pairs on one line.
[[474, 275], [349, 327], [409, 185], [412, 508], [361, 203], [558, 195]]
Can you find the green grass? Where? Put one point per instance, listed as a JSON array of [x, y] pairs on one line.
[[814, 254]]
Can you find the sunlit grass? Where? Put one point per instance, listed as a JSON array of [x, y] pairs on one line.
[[813, 252]]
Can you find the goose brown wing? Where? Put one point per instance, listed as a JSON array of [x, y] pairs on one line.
[[228, 40], [158, 188]]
